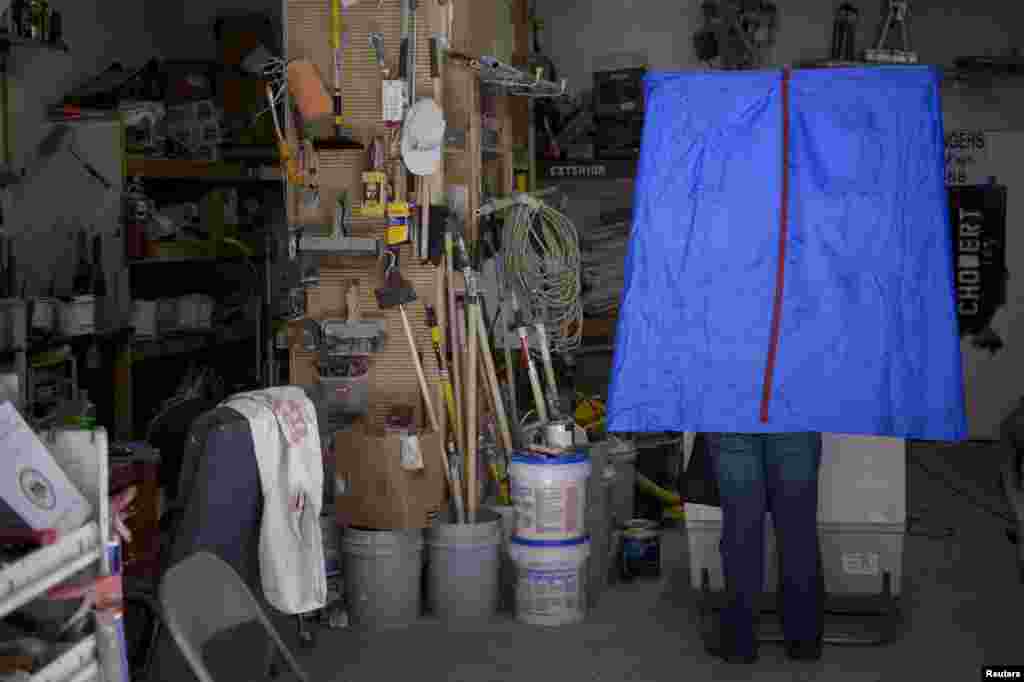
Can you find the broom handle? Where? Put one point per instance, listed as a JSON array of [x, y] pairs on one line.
[[424, 389], [531, 368], [549, 372], [492, 379]]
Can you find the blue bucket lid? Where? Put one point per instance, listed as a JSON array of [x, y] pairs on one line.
[[550, 543], [527, 457]]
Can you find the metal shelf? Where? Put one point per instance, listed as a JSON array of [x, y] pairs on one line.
[[512, 80], [77, 663], [33, 575]]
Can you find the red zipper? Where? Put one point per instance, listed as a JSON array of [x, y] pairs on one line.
[[780, 274]]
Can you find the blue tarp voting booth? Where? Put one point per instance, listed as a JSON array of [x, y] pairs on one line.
[[836, 175]]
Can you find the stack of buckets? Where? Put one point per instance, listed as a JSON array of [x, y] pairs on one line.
[[549, 544]]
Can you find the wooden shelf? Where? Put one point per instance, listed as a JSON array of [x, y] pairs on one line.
[[203, 171]]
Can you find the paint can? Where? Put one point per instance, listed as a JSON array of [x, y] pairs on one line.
[[641, 550]]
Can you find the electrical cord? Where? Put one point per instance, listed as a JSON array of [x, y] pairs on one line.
[[542, 258]]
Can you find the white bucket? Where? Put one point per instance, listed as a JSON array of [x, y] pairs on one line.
[[551, 586], [78, 316], [550, 496]]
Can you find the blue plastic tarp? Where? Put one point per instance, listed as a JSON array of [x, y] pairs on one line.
[[867, 337]]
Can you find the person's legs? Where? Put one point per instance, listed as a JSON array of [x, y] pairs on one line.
[[792, 463], [739, 468]]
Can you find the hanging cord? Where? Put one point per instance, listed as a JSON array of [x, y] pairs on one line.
[[275, 72], [542, 258]]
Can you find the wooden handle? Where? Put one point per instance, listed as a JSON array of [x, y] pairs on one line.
[[472, 493], [492, 379], [355, 314], [424, 389]]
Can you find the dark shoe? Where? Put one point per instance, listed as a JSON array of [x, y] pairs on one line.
[[803, 651], [719, 651]]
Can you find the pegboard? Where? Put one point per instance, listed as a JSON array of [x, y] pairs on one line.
[[307, 35]]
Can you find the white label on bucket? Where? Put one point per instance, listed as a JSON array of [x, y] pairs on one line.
[[550, 593], [861, 563]]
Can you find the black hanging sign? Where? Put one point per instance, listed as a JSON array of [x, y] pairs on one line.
[[978, 218]]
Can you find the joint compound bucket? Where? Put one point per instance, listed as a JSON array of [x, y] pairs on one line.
[[463, 568], [552, 577], [550, 496], [382, 572]]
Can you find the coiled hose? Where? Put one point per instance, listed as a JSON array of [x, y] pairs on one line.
[[542, 259]]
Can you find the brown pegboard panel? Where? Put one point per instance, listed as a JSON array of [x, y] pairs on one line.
[[393, 369], [309, 26]]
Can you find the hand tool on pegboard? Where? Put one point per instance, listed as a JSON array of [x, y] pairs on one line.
[[339, 39]]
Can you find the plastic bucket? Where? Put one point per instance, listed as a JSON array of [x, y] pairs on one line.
[[463, 568], [550, 496], [641, 550], [507, 572], [382, 572], [551, 580]]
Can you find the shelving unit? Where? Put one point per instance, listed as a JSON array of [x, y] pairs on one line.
[[201, 171], [45, 568]]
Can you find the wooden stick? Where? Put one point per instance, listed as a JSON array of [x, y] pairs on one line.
[[492, 379], [419, 371]]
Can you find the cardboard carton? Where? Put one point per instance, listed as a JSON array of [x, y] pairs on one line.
[[373, 489]]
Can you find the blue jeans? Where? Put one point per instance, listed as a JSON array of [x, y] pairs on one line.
[[758, 473]]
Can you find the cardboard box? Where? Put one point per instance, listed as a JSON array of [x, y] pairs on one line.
[[372, 490]]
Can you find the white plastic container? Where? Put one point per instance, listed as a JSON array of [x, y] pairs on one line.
[[550, 496], [551, 585], [78, 316]]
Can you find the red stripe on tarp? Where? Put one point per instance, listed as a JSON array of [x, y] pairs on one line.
[[780, 273]]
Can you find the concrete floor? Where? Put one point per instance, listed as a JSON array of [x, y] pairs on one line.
[[960, 598]]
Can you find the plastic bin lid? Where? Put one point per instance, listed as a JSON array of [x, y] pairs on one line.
[[526, 457], [550, 543]]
